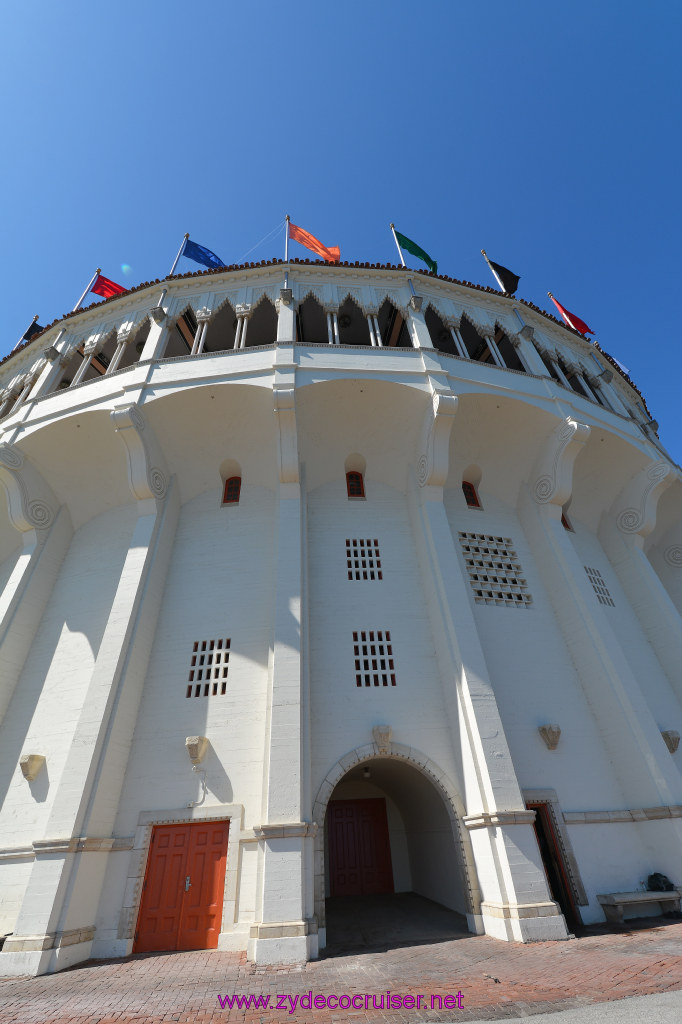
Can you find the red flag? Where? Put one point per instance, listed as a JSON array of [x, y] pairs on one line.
[[103, 286], [331, 254], [571, 319]]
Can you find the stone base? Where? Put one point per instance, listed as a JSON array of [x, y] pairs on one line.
[[523, 922], [34, 962], [283, 942]]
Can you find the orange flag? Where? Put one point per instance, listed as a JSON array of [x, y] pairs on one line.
[[331, 254]]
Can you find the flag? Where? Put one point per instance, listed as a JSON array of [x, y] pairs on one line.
[[103, 286], [571, 319], [331, 254], [200, 254], [417, 251], [508, 281], [34, 329]]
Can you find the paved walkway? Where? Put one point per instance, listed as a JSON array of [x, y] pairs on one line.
[[497, 980]]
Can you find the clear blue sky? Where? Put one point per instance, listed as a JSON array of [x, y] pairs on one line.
[[547, 133]]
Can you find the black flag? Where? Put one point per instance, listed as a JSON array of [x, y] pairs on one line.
[[509, 281]]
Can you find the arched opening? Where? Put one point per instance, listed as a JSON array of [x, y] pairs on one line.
[[509, 354], [394, 332], [441, 335], [221, 330], [262, 329], [394, 869], [477, 347], [353, 328], [311, 323]]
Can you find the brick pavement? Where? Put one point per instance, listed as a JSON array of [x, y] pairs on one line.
[[497, 980]]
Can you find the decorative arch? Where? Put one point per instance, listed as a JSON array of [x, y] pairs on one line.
[[443, 785]]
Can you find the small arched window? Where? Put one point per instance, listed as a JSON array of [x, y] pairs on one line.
[[355, 485], [232, 490], [470, 495]]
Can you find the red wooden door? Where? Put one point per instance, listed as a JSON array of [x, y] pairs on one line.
[[182, 896], [359, 847]]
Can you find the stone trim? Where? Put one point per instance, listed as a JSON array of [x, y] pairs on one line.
[[51, 940], [499, 818], [622, 817], [279, 930], [286, 830], [520, 910]]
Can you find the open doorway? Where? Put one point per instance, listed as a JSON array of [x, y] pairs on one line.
[[393, 865], [553, 863]]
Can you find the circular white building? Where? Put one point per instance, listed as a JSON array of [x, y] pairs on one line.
[[367, 584]]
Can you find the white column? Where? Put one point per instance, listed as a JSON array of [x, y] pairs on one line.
[[330, 329], [282, 932], [51, 374], [492, 345], [335, 318], [646, 774], [515, 903], [370, 325], [459, 344], [377, 332], [122, 339], [87, 793], [157, 339], [46, 532], [416, 324], [238, 332], [88, 352], [245, 325]]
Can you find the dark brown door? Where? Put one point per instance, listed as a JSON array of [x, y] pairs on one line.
[[359, 847], [552, 860], [182, 896]]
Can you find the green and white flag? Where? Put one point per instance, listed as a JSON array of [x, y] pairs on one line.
[[406, 243]]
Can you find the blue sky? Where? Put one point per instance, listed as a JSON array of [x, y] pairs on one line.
[[546, 133]]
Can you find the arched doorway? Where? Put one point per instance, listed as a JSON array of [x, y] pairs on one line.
[[393, 867]]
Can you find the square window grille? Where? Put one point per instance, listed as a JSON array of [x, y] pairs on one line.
[[208, 668], [599, 587], [373, 652], [494, 570], [362, 559]]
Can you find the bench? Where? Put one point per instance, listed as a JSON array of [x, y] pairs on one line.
[[615, 904]]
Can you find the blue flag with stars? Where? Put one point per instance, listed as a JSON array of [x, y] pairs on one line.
[[200, 254]]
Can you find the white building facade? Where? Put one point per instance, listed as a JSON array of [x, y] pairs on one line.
[[367, 583]]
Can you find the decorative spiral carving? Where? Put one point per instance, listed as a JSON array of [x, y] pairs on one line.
[[629, 521], [40, 514], [658, 471], [422, 470], [544, 488], [136, 417], [673, 556], [11, 457], [157, 482]]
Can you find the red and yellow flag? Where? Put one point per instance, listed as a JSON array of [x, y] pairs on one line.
[[331, 254]]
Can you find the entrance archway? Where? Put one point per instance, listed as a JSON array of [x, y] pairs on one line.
[[389, 824]]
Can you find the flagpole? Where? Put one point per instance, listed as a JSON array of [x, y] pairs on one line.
[[92, 281], [286, 251], [179, 254], [485, 257], [395, 239], [402, 260]]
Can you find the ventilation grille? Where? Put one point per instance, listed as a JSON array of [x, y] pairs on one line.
[[494, 570], [362, 559], [208, 668], [599, 587], [373, 658]]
